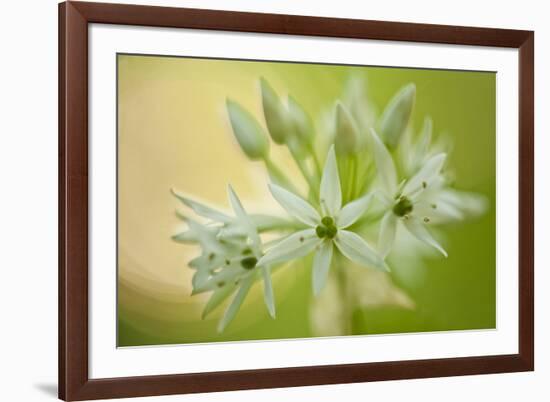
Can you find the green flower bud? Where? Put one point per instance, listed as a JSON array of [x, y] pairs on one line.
[[248, 132], [396, 116], [275, 114], [347, 134], [302, 124]]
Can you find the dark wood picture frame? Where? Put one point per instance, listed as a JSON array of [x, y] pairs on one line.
[[74, 381]]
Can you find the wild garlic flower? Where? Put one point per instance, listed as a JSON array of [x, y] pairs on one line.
[[452, 204], [325, 229], [412, 202], [231, 248]]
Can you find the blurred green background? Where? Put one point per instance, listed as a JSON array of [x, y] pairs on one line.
[[173, 132]]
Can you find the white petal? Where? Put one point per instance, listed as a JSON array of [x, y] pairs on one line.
[[236, 303], [207, 262], [426, 174], [200, 278], [201, 209], [356, 249], [217, 298], [423, 145], [443, 211], [294, 246], [321, 266], [470, 203], [446, 212], [233, 231], [226, 275], [418, 230], [269, 298], [205, 235], [384, 165], [386, 201], [331, 192], [388, 227], [244, 218], [188, 236], [236, 203], [295, 206], [353, 211]]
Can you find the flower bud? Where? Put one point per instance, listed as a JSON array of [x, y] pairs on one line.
[[275, 113], [347, 135], [396, 116], [248, 132], [355, 96], [301, 122]]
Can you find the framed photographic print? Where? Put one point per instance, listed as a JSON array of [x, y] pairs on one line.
[[259, 200]]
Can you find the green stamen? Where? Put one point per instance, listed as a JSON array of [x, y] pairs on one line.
[[249, 262], [403, 207], [331, 231], [321, 231], [327, 228]]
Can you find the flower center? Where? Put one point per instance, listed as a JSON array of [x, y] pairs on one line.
[[403, 207], [327, 228], [249, 262]]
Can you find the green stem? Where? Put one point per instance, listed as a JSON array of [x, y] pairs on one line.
[[344, 297], [363, 182], [310, 181], [290, 226], [316, 162], [343, 172], [279, 177], [353, 179]]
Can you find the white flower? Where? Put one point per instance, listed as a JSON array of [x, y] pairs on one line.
[[229, 259], [324, 230], [413, 202]]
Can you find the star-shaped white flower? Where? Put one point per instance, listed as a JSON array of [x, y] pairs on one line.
[[412, 202], [231, 248], [325, 230]]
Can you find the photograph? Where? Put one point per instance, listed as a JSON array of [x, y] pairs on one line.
[[270, 200], [275, 201]]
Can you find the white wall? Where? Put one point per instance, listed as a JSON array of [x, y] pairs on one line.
[[28, 213]]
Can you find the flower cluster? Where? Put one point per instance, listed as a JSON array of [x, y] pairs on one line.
[[364, 174]]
